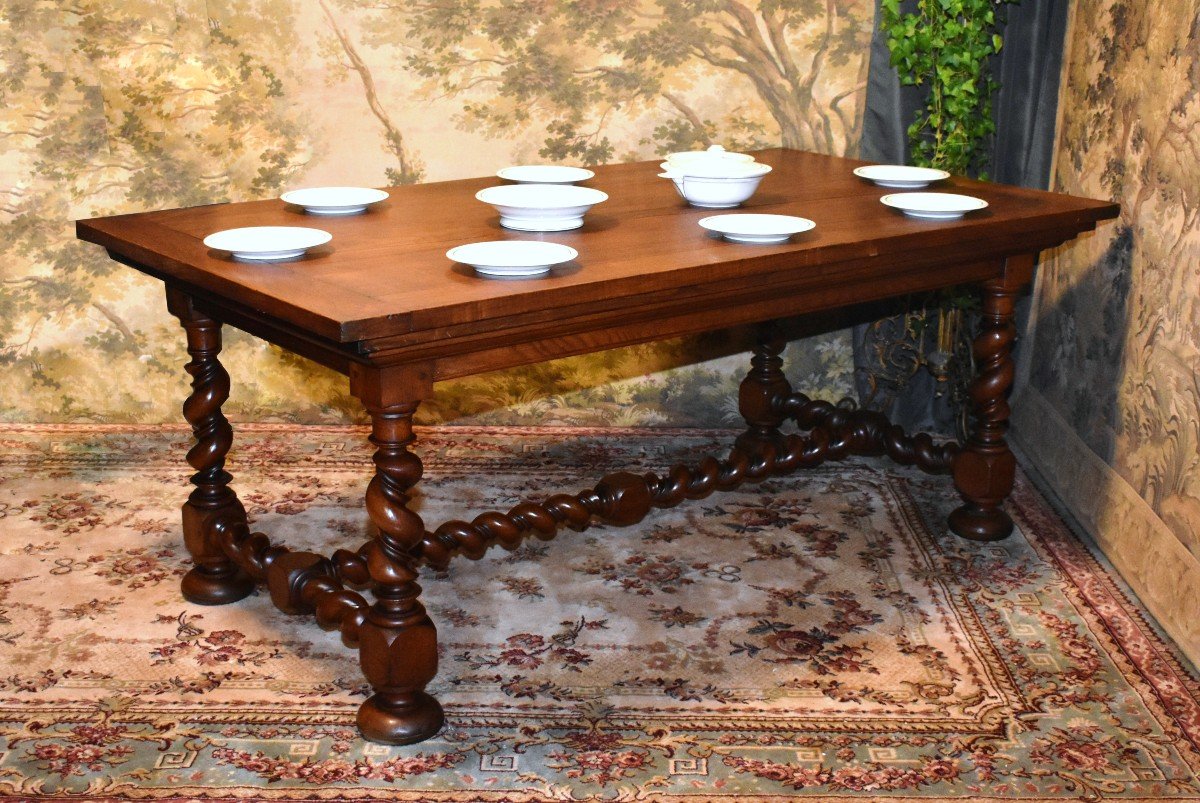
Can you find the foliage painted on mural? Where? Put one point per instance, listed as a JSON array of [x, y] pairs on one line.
[[153, 104], [118, 108], [1120, 315], [570, 71]]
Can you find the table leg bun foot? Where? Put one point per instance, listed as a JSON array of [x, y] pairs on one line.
[[207, 586], [400, 718], [978, 523]]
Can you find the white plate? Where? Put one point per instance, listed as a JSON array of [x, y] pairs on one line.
[[331, 201], [544, 174], [756, 228], [512, 258], [901, 176], [933, 205], [267, 243], [541, 207]]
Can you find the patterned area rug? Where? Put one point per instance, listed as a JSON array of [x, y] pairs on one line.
[[817, 636]]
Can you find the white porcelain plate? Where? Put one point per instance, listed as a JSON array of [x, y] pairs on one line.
[[332, 201], [541, 207], [512, 258], [756, 228], [545, 174], [267, 243], [900, 176], [933, 205]]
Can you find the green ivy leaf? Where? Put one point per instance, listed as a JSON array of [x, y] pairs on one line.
[[945, 46]]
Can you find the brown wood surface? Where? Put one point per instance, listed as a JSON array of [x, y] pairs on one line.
[[383, 290]]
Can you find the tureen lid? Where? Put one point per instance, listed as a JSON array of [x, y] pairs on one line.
[[714, 153]]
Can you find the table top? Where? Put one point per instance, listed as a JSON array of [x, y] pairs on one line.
[[385, 276]]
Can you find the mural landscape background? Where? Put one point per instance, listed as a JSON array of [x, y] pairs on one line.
[[153, 104]]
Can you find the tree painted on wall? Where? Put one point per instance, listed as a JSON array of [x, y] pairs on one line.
[[122, 107], [343, 52], [575, 70]]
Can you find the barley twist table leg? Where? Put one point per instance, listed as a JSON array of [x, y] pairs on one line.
[[760, 396], [985, 469], [214, 579], [397, 641]]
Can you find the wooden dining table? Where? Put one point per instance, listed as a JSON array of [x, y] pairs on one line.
[[382, 304]]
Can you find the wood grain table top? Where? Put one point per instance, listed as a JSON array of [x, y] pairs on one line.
[[384, 276]]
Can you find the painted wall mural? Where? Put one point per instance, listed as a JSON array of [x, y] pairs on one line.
[[1117, 343], [150, 104]]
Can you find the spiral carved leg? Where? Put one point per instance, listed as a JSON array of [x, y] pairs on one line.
[[985, 469], [760, 394], [212, 505], [397, 640]]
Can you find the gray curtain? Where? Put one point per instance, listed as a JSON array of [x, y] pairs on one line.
[[1028, 69]]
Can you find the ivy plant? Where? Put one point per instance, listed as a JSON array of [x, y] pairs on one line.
[[945, 45]]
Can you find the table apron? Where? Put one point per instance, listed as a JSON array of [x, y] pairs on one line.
[[462, 350], [596, 331]]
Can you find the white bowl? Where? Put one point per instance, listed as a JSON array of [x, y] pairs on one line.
[[512, 258], [544, 174], [541, 207], [332, 201], [715, 153], [717, 191]]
